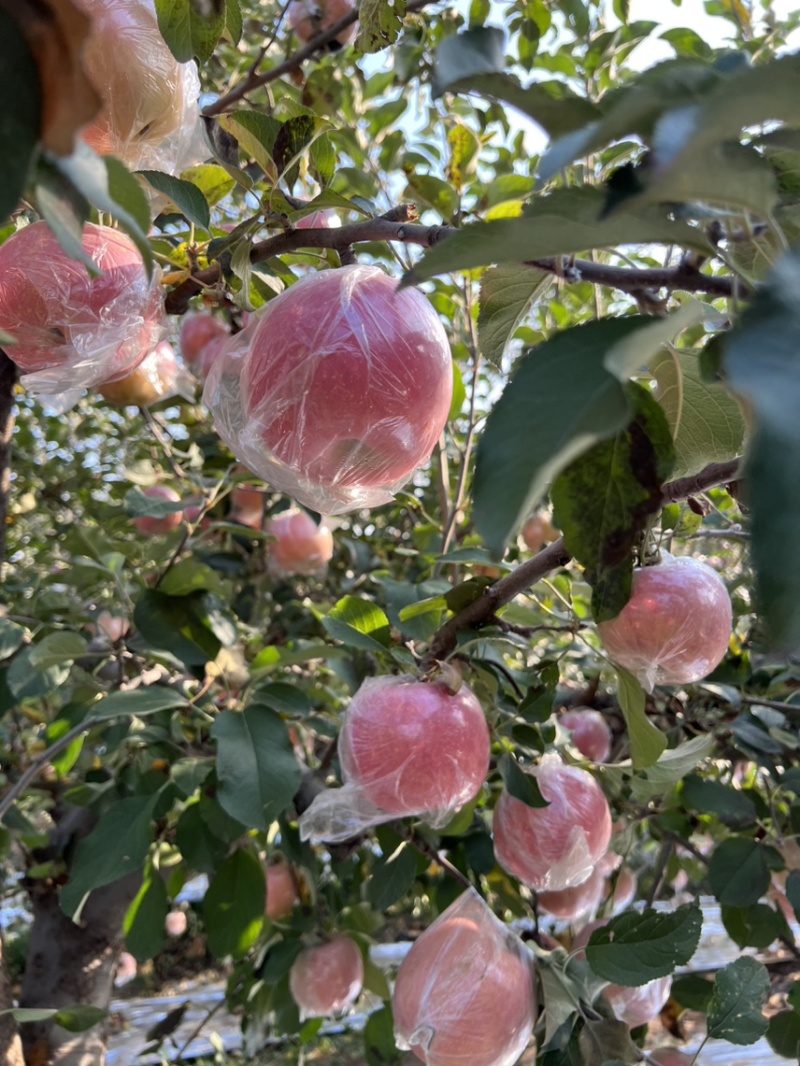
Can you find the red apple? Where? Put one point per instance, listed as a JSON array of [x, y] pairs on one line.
[[413, 747], [671, 1056], [300, 545], [114, 626], [537, 532], [318, 220], [326, 979], [152, 380], [247, 507], [337, 391], [554, 847], [197, 331], [148, 97], [155, 527], [175, 923], [591, 733], [464, 994], [281, 891], [676, 626], [125, 969], [576, 902], [71, 330], [308, 18]]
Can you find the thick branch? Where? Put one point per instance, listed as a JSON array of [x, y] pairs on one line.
[[481, 611], [681, 278], [255, 81]]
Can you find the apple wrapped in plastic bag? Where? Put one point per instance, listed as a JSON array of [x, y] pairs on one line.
[[465, 993], [72, 331], [407, 748], [159, 376], [338, 389]]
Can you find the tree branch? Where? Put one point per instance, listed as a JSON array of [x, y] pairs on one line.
[[481, 611]]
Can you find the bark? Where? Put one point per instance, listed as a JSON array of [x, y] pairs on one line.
[[10, 1044], [71, 964]]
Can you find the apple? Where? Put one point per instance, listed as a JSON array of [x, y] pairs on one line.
[[554, 847], [623, 891], [576, 902], [464, 994], [676, 626], [327, 978], [591, 733], [281, 891], [125, 969], [324, 219], [114, 626], [197, 332], [300, 545], [175, 923], [152, 380], [414, 747], [337, 390], [308, 18], [537, 532], [71, 330], [148, 97], [671, 1056], [154, 527], [208, 356], [247, 507]]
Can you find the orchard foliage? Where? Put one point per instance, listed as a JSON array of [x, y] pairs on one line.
[[611, 247]]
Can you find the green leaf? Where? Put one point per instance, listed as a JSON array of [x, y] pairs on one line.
[[11, 637], [25, 682], [233, 20], [65, 210], [692, 991], [734, 1011], [379, 1045], [126, 192], [391, 878], [671, 767], [202, 849], [191, 29], [256, 133], [507, 295], [600, 527], [635, 948], [706, 422], [563, 222], [523, 787], [380, 24], [186, 197], [189, 575], [322, 160], [783, 1034], [79, 1018], [258, 773], [729, 804], [139, 703], [57, 648], [293, 138], [180, 625], [233, 907], [20, 112], [647, 742], [213, 181], [561, 994], [358, 623], [117, 846], [606, 1041], [793, 891], [139, 505], [762, 364], [144, 929], [756, 926], [738, 872]]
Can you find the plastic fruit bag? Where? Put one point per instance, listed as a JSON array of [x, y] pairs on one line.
[[465, 993], [407, 748], [71, 330], [337, 390], [158, 377]]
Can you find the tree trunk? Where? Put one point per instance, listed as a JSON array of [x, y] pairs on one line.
[[71, 964], [10, 1044]]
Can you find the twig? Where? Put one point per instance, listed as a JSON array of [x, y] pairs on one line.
[[198, 1029], [774, 705], [158, 433], [421, 845], [664, 856]]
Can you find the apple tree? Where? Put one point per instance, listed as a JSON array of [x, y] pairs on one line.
[[445, 587]]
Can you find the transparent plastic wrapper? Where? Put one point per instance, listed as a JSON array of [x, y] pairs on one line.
[[300, 546], [465, 993], [337, 390], [326, 979], [406, 748], [676, 626], [158, 377], [151, 116], [580, 901], [554, 847], [74, 331]]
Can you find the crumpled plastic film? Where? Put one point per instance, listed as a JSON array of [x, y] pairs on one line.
[[337, 390], [73, 331], [676, 626], [465, 993], [576, 902], [158, 377], [554, 847], [406, 748], [151, 115]]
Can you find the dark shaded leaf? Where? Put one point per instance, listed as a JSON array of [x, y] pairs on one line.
[[635, 948], [233, 907], [186, 197], [734, 1011], [738, 872], [191, 29]]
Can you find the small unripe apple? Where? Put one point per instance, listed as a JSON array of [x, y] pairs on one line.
[[125, 970], [337, 390], [413, 747], [676, 626], [537, 532], [326, 979], [576, 902], [591, 733], [72, 331], [147, 95], [175, 923], [156, 527], [198, 329], [152, 380], [308, 18], [300, 545], [464, 994], [554, 847], [281, 891]]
